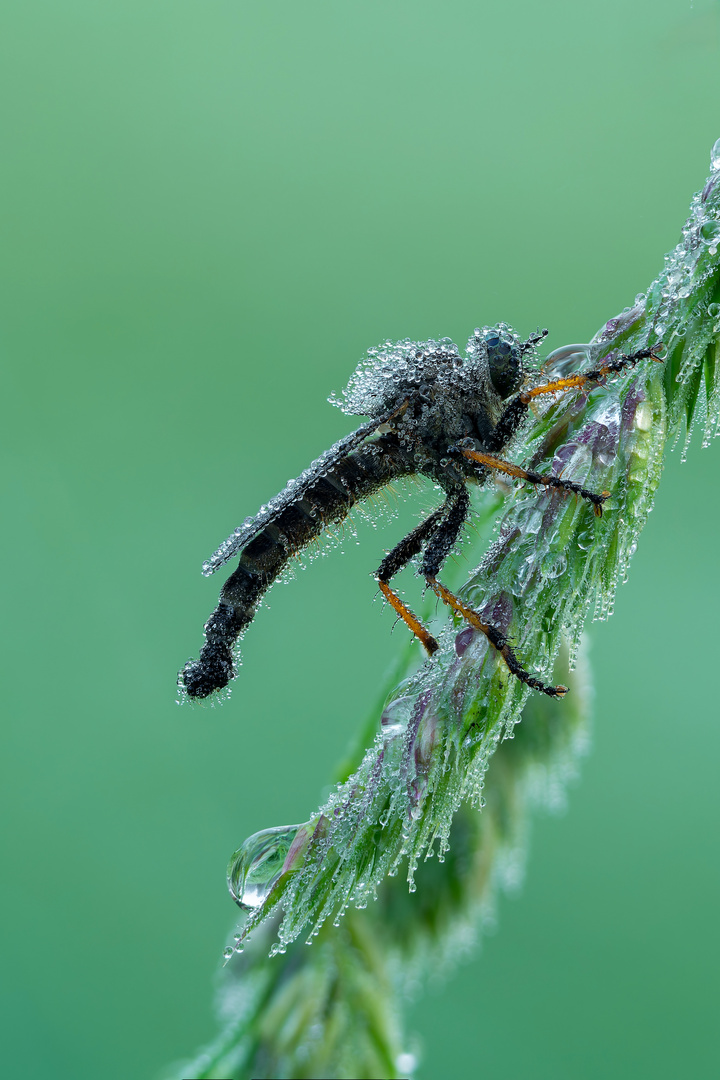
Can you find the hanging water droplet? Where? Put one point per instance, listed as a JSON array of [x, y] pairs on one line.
[[709, 231], [554, 565], [229, 952], [396, 715], [715, 156], [257, 865], [585, 538], [406, 1063]]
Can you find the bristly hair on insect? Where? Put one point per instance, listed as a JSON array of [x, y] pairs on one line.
[[433, 413]]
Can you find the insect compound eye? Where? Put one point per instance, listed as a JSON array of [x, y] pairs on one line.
[[505, 365]]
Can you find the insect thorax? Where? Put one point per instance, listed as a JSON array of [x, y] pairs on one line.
[[449, 396]]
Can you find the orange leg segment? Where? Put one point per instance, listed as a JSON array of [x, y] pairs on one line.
[[538, 478], [496, 639], [611, 367], [553, 387], [407, 616], [496, 463], [457, 605]]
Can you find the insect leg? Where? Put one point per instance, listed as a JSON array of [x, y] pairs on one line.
[[612, 367], [437, 551], [394, 562], [446, 535], [516, 411], [496, 638], [507, 467]]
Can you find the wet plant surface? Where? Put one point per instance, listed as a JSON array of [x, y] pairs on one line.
[[448, 743]]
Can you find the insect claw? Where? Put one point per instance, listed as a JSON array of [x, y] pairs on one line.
[[598, 506]]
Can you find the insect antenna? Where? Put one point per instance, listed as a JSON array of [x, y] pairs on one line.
[[535, 339], [529, 347]]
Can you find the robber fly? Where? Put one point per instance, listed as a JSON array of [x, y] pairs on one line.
[[433, 413]]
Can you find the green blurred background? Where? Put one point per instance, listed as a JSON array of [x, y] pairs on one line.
[[210, 210]]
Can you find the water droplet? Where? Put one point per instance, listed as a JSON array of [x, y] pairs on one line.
[[396, 715], [405, 1063], [229, 952], [586, 538], [554, 565], [709, 231], [530, 519], [256, 866], [715, 156], [644, 416]]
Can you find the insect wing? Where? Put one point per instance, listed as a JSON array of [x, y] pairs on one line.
[[292, 493]]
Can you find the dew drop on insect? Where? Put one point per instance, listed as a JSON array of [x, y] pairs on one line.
[[715, 156]]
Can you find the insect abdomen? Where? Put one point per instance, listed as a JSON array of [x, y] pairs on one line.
[[326, 502]]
